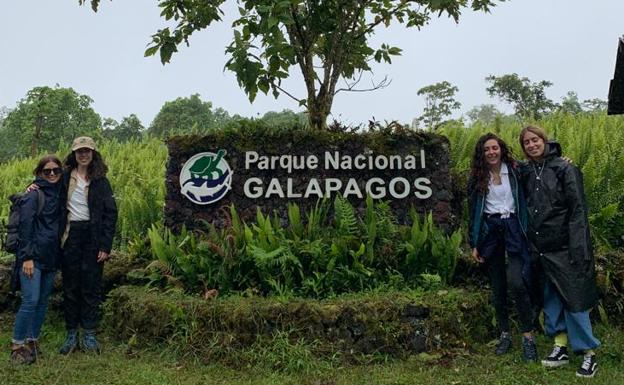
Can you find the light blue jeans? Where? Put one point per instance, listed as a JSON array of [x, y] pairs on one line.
[[31, 314], [557, 319]]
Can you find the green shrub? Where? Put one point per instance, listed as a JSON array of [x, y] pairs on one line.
[[322, 256]]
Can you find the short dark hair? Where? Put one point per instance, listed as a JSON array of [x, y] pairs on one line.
[[45, 160]]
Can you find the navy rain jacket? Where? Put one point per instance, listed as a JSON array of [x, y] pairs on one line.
[[39, 234]]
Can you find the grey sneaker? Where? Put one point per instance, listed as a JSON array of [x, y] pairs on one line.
[[588, 367], [529, 350], [504, 344], [90, 343], [558, 357], [71, 342]]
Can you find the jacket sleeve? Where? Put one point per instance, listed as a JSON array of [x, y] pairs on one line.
[[472, 201], [109, 217], [26, 229], [578, 227]]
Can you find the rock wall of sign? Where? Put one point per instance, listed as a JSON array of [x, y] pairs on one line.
[[252, 168]]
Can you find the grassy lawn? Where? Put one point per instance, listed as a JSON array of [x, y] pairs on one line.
[[476, 365]]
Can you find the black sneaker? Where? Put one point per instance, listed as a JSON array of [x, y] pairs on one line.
[[588, 367], [558, 357], [504, 344], [529, 350]]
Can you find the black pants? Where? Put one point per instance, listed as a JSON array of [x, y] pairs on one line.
[[512, 273], [82, 277]]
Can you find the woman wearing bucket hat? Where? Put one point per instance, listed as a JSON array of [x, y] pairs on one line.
[[88, 219]]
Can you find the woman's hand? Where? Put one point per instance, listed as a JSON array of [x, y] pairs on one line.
[[28, 267], [476, 256], [103, 256], [32, 187]]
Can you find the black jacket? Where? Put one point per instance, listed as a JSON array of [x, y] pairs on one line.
[[39, 234], [558, 228], [102, 211]]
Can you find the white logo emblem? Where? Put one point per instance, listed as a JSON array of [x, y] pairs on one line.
[[206, 177]]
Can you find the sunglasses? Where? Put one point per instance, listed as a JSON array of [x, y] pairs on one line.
[[50, 171]]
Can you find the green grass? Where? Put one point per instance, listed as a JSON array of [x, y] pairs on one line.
[[475, 365]]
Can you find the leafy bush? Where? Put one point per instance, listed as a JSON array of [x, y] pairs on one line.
[[319, 257]]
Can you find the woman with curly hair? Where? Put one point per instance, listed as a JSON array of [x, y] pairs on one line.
[[88, 226], [497, 234]]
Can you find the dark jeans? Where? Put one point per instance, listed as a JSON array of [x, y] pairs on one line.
[[82, 276], [513, 274]]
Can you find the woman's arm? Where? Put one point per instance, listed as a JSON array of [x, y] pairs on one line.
[[578, 226]]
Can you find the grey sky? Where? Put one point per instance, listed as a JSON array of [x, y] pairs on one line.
[[569, 42]]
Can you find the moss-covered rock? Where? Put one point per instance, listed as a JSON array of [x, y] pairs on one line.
[[394, 323]]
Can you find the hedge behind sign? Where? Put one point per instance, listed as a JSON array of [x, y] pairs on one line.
[[255, 167]]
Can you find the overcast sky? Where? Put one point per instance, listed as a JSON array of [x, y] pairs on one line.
[[571, 43]]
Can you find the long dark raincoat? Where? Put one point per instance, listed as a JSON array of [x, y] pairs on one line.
[[558, 228]]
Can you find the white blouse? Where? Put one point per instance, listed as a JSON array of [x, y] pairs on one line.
[[499, 199]]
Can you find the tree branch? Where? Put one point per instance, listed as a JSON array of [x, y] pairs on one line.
[[351, 87]]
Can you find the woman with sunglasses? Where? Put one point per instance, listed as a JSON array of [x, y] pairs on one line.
[[37, 258], [88, 219]]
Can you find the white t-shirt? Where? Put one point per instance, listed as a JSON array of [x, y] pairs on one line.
[[499, 199], [77, 203]]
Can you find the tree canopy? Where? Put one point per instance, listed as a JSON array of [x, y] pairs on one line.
[[185, 115], [439, 103], [129, 128], [327, 40], [46, 117], [527, 98]]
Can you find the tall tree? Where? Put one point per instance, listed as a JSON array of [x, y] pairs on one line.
[[439, 103], [570, 104], [285, 119], [327, 40], [527, 98], [185, 115], [595, 105], [484, 113], [129, 128], [45, 117]]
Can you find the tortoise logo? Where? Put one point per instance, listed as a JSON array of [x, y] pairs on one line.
[[206, 177]]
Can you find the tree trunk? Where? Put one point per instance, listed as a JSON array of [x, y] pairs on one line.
[[318, 111]]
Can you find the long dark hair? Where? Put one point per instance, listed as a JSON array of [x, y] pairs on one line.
[[96, 169], [479, 170], [45, 160]]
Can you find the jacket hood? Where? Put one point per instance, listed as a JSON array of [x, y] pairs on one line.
[[552, 149]]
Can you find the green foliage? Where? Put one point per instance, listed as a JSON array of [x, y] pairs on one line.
[[594, 142], [46, 118], [186, 116], [326, 41], [322, 256], [129, 128], [439, 103], [527, 98], [136, 173]]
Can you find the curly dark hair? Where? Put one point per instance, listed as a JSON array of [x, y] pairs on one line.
[[479, 171], [96, 169]]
